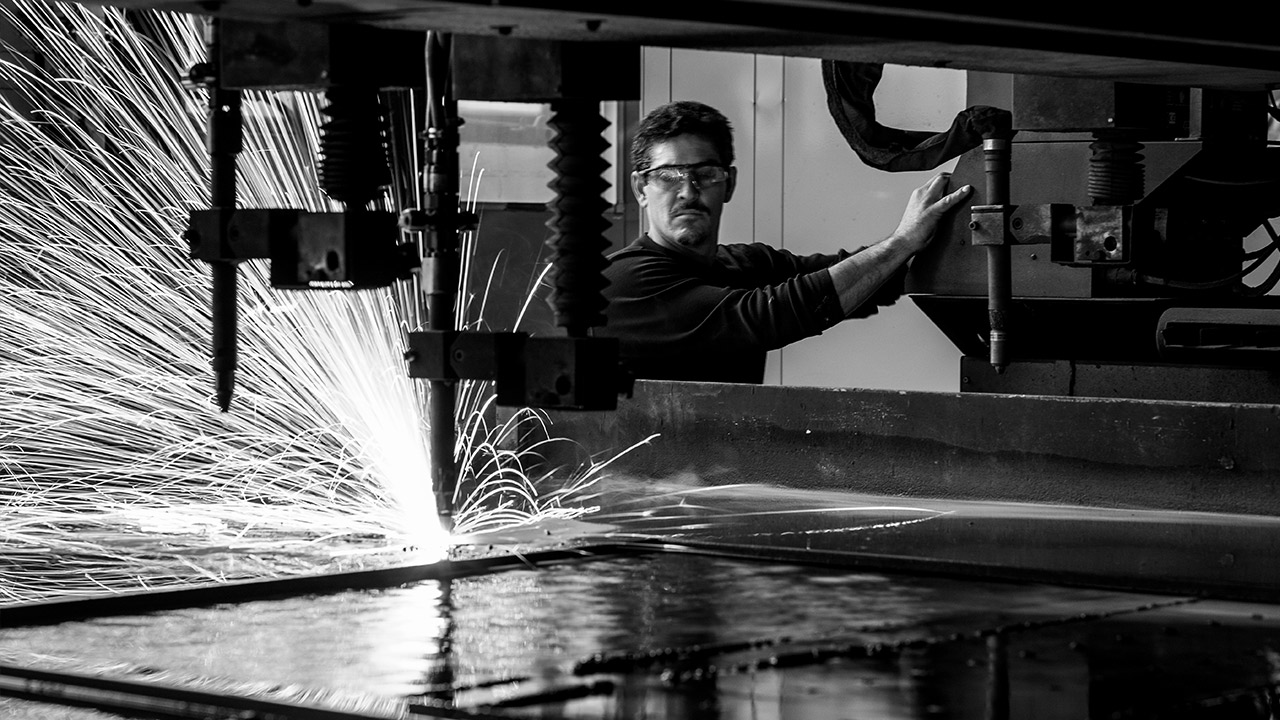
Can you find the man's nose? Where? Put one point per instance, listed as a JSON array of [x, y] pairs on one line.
[[688, 187]]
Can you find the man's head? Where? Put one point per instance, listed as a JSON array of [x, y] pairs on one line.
[[683, 159]]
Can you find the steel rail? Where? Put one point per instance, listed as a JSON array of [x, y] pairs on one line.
[[169, 702], [974, 571], [134, 603]]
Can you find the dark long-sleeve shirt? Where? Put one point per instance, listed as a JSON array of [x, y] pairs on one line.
[[680, 319]]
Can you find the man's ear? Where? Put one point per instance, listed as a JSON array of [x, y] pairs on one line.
[[637, 188], [730, 184]]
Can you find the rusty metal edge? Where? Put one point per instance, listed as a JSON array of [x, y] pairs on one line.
[[1091, 452], [135, 603]]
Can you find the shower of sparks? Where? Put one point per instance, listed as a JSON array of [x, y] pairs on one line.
[[118, 471]]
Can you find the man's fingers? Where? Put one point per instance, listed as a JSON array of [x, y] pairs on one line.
[[927, 205], [946, 202], [937, 184], [935, 189]]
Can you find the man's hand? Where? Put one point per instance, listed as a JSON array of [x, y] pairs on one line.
[[926, 207], [858, 276]]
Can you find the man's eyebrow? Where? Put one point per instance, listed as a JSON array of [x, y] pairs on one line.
[[704, 163]]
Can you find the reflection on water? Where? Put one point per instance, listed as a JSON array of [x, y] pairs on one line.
[[675, 636]]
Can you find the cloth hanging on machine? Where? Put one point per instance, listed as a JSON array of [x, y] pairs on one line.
[[850, 89]]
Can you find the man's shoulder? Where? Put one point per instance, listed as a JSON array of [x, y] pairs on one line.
[[647, 255], [640, 247], [625, 262]]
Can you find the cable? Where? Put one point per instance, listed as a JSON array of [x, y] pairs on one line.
[[1274, 112], [1259, 257], [1273, 279], [1266, 249]]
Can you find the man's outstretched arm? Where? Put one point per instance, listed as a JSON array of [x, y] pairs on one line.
[[857, 277]]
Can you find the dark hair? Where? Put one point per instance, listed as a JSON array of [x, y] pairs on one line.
[[683, 117]]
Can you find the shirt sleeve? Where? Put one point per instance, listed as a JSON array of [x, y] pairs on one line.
[[758, 264], [659, 307]]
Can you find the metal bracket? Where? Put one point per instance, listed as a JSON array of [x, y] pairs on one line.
[[545, 372], [346, 250], [990, 224], [1079, 236]]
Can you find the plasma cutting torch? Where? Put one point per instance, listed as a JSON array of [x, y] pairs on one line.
[[366, 247]]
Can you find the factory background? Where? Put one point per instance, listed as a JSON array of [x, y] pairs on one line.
[[800, 187]]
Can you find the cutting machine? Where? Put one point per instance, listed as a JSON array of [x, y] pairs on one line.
[[1111, 253]]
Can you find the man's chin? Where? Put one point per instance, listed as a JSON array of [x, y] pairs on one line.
[[687, 237], [694, 231], [693, 240]]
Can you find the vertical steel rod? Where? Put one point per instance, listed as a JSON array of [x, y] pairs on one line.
[[442, 260], [996, 154], [225, 141]]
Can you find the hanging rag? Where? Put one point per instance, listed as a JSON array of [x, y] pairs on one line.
[[851, 87]]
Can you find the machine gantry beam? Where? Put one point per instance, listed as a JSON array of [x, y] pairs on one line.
[[1232, 47]]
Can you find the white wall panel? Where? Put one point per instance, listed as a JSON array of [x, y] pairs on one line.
[[916, 98], [655, 78], [833, 200], [725, 81], [770, 122]]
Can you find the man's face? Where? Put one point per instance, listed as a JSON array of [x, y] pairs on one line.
[[684, 218]]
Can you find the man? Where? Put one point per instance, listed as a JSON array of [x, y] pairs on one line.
[[685, 307]]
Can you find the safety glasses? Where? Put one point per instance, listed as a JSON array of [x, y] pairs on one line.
[[671, 177]]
